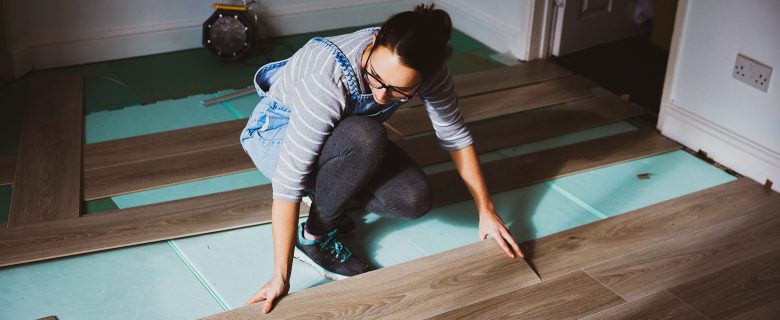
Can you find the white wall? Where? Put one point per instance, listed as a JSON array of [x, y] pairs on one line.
[[703, 107], [503, 25], [44, 33]]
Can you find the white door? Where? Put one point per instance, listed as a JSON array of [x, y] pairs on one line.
[[581, 24]]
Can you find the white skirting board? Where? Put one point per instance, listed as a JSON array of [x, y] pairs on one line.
[[722, 145], [139, 40]]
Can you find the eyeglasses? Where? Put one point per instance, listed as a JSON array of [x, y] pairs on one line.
[[373, 80]]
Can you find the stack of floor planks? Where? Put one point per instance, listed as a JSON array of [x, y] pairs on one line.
[[650, 263]]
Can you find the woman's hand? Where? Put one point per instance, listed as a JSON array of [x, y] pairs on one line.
[[490, 224], [275, 288]]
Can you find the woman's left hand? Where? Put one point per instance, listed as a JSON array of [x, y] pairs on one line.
[[490, 224]]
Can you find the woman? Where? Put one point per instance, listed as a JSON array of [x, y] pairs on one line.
[[318, 132]]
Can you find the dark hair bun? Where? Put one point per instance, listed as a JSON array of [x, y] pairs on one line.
[[420, 37]]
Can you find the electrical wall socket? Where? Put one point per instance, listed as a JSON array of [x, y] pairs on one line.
[[752, 72]]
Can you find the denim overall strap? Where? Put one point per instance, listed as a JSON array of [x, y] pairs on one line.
[[343, 61], [266, 75]]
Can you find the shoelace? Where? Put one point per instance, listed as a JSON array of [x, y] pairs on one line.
[[336, 247]]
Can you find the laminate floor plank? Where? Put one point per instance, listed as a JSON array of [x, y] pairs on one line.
[[515, 172], [160, 172], [411, 290], [489, 135], [590, 244], [138, 225], [570, 296], [161, 145], [47, 178], [528, 127], [751, 287], [407, 122], [658, 306], [753, 232], [480, 82], [166, 144], [7, 169]]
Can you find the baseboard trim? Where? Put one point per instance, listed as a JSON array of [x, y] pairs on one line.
[[133, 41], [724, 146]]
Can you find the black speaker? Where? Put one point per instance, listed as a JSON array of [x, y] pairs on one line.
[[229, 34]]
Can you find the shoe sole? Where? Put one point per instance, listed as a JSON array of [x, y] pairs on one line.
[[301, 256]]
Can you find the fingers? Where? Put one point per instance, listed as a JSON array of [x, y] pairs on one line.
[[514, 245], [269, 303], [260, 296], [502, 243]]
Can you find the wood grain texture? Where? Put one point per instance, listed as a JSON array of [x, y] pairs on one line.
[[480, 82], [753, 232], [658, 306], [47, 181], [161, 145], [143, 174], [7, 169], [144, 224], [753, 285], [570, 296], [515, 172], [586, 245], [160, 172], [528, 127], [407, 122], [411, 290]]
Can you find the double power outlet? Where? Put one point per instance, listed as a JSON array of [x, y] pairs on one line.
[[752, 72]]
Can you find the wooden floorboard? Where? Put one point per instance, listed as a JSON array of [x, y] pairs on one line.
[[587, 245], [528, 127], [515, 172], [47, 178], [751, 233], [7, 169], [740, 289], [571, 296], [498, 103], [161, 145], [411, 290], [132, 226], [480, 82], [488, 135], [658, 306], [160, 172], [25, 246]]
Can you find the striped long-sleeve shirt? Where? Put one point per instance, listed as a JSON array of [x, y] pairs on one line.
[[314, 87]]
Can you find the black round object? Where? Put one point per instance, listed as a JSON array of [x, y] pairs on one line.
[[229, 34]]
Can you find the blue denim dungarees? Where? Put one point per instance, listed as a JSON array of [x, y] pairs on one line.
[[265, 130]]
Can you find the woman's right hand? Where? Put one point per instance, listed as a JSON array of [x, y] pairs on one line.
[[275, 288]]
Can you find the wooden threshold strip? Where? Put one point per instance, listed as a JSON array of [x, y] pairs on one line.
[[489, 135], [47, 178], [250, 206], [408, 122]]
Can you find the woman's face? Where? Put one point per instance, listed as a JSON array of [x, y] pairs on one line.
[[388, 78]]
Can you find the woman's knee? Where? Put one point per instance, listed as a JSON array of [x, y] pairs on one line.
[[414, 203], [362, 133]]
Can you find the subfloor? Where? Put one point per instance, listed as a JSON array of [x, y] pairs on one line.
[[202, 275]]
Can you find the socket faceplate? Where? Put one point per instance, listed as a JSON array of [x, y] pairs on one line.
[[752, 72]]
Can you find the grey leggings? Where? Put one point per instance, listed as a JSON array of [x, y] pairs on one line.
[[357, 161]]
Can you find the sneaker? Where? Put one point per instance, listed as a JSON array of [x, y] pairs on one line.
[[345, 229], [328, 256]]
